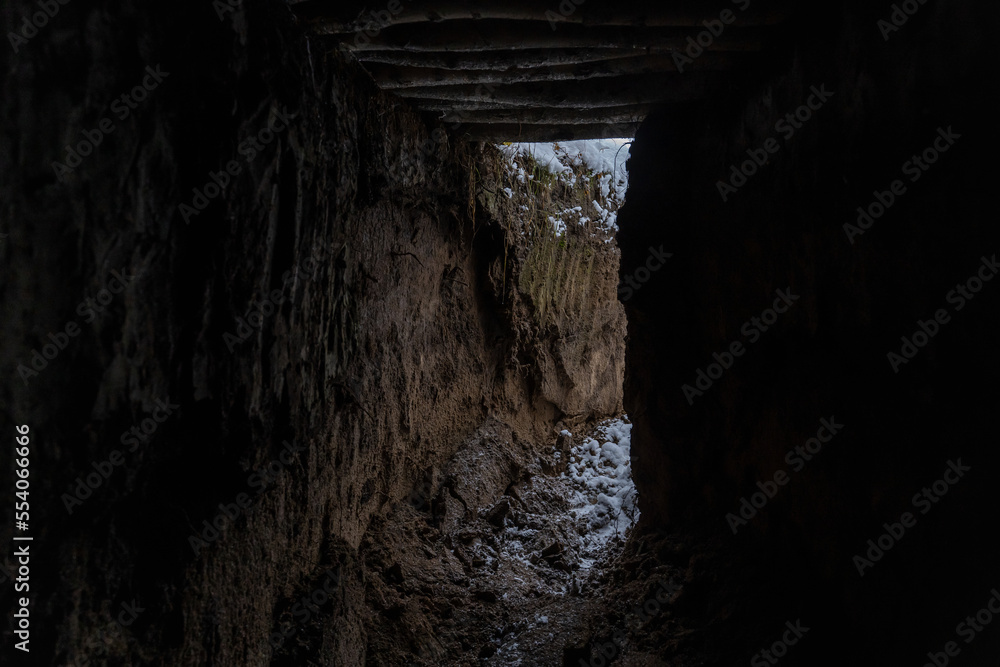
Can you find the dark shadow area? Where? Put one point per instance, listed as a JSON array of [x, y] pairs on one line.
[[791, 223]]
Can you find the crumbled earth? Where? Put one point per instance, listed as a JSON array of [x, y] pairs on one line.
[[556, 572], [515, 582]]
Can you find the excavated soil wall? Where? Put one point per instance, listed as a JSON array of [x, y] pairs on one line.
[[751, 193], [316, 287]]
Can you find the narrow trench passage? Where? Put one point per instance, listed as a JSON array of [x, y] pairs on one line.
[[514, 579], [558, 540], [341, 335]]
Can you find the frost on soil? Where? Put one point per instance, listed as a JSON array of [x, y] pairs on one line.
[[594, 166], [510, 583], [603, 497], [565, 528]]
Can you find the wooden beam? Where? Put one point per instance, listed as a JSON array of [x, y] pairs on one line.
[[534, 133], [545, 116], [476, 36], [491, 60], [391, 77], [351, 16], [598, 93], [444, 106]]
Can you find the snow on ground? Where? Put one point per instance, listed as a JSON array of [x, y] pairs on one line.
[[603, 495], [584, 508], [602, 160], [553, 542], [529, 568]]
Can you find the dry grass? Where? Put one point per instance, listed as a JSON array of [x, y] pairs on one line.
[[554, 270]]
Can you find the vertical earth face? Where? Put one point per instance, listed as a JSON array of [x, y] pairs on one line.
[[815, 222], [293, 311], [305, 379]]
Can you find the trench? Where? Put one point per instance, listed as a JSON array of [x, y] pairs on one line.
[[441, 389]]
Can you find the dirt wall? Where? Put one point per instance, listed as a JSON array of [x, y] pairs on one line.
[[760, 211], [311, 283]]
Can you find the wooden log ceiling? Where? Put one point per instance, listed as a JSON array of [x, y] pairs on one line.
[[539, 71]]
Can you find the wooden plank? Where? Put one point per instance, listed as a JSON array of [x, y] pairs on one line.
[[632, 113], [491, 60], [390, 77], [598, 93], [534, 133]]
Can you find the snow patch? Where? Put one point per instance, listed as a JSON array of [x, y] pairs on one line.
[[604, 497], [603, 160]]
